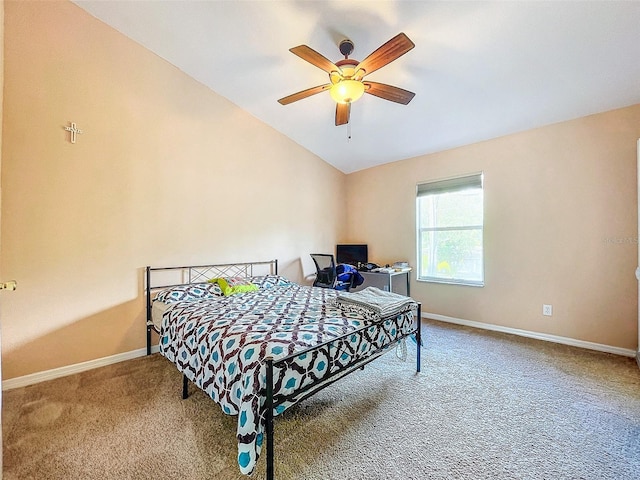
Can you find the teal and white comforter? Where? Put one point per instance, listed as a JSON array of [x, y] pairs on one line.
[[220, 344]]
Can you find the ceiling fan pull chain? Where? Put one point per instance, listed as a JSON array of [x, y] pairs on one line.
[[349, 132]]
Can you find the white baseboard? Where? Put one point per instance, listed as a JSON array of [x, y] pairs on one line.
[[71, 369], [626, 352]]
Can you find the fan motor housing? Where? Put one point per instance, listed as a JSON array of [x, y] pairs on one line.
[[346, 47]]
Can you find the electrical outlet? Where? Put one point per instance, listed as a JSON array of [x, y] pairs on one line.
[[10, 285], [547, 310]]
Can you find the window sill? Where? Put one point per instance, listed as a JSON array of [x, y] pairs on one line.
[[464, 283]]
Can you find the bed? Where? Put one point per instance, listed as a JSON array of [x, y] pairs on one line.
[[257, 343]]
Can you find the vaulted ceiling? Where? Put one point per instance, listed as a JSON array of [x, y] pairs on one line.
[[480, 69]]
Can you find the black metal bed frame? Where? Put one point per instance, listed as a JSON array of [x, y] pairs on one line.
[[202, 273]]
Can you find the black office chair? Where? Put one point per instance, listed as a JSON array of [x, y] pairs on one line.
[[326, 275]]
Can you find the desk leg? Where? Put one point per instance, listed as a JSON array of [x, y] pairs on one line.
[[408, 285]]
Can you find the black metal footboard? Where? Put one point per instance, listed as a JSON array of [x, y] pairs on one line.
[[355, 362]]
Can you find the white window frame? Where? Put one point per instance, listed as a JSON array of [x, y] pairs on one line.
[[447, 185]]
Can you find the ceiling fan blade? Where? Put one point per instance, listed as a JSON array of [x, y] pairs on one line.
[[314, 58], [342, 113], [389, 92], [304, 94], [387, 53]]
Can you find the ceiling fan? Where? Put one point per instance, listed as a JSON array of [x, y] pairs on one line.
[[346, 76]]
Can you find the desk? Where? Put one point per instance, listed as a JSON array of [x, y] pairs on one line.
[[396, 282]]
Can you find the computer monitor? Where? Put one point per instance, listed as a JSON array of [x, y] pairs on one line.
[[352, 254]]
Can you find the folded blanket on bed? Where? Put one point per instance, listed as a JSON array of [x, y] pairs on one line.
[[379, 302]]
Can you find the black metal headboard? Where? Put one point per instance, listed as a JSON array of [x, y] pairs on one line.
[[163, 277]]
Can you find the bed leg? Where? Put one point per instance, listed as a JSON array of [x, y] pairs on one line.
[[418, 337], [185, 387], [268, 405], [148, 341]]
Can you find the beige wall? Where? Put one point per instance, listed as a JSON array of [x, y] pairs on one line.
[[1, 277], [560, 227], [168, 172], [165, 173]]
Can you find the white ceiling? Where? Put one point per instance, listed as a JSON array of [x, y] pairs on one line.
[[479, 69]]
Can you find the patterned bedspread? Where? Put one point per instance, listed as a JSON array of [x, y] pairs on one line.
[[220, 344]]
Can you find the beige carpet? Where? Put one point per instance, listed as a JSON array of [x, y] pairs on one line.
[[486, 406]]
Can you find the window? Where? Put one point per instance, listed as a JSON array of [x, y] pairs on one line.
[[450, 226]]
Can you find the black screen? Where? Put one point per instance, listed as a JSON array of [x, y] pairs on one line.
[[352, 254]]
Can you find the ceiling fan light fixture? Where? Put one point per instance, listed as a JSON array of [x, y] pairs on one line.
[[346, 75], [347, 91]]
